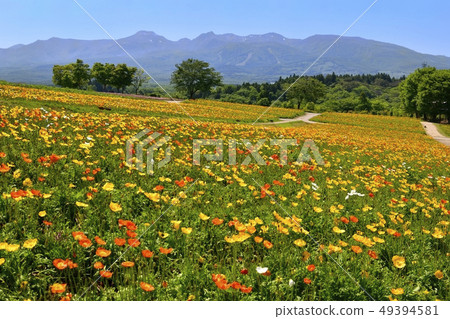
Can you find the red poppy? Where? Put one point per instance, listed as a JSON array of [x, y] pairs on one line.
[[147, 253], [244, 271], [120, 241], [164, 284], [353, 219], [397, 234], [307, 281], [371, 195], [158, 188]]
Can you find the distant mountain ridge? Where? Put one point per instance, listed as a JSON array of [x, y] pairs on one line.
[[253, 58]]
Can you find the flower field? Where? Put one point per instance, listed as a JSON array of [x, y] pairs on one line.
[[196, 109], [78, 223]]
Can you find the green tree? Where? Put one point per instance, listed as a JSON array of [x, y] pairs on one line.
[[74, 75], [122, 76], [306, 90], [139, 78], [433, 94], [409, 90], [192, 76], [103, 73]]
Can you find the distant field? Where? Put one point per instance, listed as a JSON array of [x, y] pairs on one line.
[[78, 223], [379, 122], [197, 109]]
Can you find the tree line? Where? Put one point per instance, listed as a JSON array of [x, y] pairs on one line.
[[103, 77], [424, 93]]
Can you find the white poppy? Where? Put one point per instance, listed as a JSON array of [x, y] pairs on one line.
[[262, 270]]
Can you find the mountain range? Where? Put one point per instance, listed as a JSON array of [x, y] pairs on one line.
[[253, 58]]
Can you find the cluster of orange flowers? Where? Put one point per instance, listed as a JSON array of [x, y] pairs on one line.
[[221, 282]]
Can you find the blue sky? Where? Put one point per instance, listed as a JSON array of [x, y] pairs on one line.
[[420, 25]]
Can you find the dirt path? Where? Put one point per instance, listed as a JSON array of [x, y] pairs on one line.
[[304, 118], [432, 130]]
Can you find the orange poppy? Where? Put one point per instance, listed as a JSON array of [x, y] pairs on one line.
[[130, 225], [102, 252], [258, 239], [67, 297], [180, 183], [71, 264], [311, 267], [60, 264], [307, 281], [4, 168], [235, 285], [127, 264], [120, 241], [2, 154], [147, 253], [99, 265], [47, 223], [217, 221], [246, 290], [133, 242], [357, 249], [354, 219], [58, 288], [372, 254], [146, 287], [78, 235], [268, 244], [99, 240], [158, 188], [131, 234], [165, 251], [85, 243], [105, 274], [164, 284], [344, 220]]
